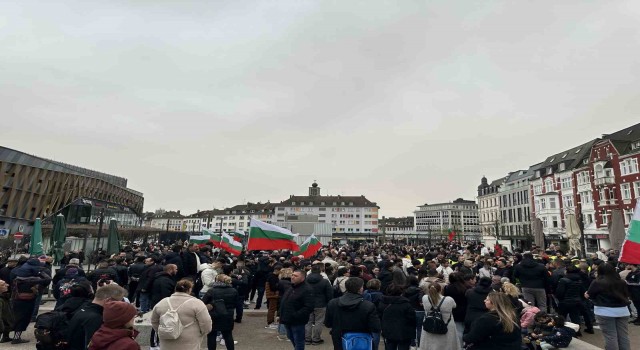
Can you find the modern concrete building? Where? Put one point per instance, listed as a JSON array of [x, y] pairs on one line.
[[35, 187], [515, 210], [436, 220]]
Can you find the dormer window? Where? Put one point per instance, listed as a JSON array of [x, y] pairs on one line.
[[293, 203], [561, 167], [341, 203], [310, 203], [351, 203], [301, 203]]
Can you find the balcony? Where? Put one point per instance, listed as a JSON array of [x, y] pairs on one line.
[[605, 180]]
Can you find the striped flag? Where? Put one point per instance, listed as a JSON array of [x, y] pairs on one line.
[[263, 236], [309, 247], [230, 244], [238, 235], [630, 252]]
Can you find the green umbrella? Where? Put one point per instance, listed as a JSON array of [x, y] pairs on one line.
[[35, 245], [113, 242], [58, 237]]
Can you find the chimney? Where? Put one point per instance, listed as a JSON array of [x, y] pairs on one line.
[[178, 212]]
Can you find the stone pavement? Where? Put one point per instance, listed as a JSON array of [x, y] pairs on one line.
[[251, 335]]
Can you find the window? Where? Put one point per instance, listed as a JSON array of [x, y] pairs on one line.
[[567, 201], [537, 189], [552, 203], [602, 194], [636, 189], [583, 178], [543, 203], [628, 216], [545, 222], [561, 166], [554, 221], [629, 166], [605, 218], [565, 183]]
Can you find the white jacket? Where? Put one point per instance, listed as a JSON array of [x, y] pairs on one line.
[[208, 276]]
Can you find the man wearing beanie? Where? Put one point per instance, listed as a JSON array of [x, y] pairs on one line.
[[116, 332]]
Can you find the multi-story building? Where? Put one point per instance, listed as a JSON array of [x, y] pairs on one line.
[[614, 178], [489, 209], [169, 221], [233, 218], [515, 209], [554, 190], [435, 220], [34, 187], [403, 227], [351, 216]]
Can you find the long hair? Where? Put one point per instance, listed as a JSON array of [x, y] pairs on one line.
[[504, 309], [611, 282], [433, 290], [510, 289], [456, 282]]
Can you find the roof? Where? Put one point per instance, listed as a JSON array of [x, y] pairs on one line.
[[400, 222], [623, 139], [237, 209], [329, 201], [457, 201], [519, 175], [572, 159], [170, 215]]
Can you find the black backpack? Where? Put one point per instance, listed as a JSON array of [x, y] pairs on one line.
[[433, 322], [49, 330]]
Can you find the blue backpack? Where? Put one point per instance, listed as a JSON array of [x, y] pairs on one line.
[[357, 341]]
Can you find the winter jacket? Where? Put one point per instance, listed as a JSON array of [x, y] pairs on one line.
[[190, 263], [414, 295], [60, 273], [560, 338], [461, 302], [350, 313], [321, 288], [225, 292], [194, 311], [599, 295], [208, 277], [176, 259], [475, 305], [486, 333], [528, 316], [398, 319], [135, 271], [570, 289], [146, 279], [163, 286], [107, 273], [86, 321], [531, 274], [296, 305], [271, 286], [114, 339]]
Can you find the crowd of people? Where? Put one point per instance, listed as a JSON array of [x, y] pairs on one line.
[[447, 296]]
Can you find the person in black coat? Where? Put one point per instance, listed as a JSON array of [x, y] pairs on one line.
[[191, 261], [534, 279], [475, 302], [496, 329], [103, 272], [222, 319], [296, 306], [322, 294], [570, 293], [351, 313], [133, 274], [164, 284], [398, 319], [173, 257], [146, 281], [60, 273]]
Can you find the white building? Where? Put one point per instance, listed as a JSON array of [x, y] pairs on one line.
[[489, 209], [234, 218], [435, 220], [168, 221], [515, 207], [351, 216]]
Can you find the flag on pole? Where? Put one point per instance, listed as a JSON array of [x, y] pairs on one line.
[[263, 236], [238, 235], [630, 252], [230, 244], [207, 236], [309, 247], [452, 234]]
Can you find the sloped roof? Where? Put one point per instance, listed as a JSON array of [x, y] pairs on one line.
[[329, 201], [623, 139]]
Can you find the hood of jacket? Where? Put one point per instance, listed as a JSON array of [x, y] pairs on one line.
[[483, 289], [574, 277], [74, 303], [106, 336], [29, 269], [350, 301], [394, 300], [314, 278]]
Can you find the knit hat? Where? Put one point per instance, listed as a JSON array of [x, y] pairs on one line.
[[117, 313], [74, 261], [71, 272]]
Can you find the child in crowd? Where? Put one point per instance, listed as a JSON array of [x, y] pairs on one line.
[[559, 338], [527, 320]]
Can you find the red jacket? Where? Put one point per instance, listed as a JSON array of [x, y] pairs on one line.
[[114, 339]]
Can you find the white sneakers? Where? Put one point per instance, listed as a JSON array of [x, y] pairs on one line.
[[223, 344], [154, 348]]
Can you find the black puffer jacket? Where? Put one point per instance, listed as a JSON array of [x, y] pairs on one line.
[[487, 334], [570, 289], [398, 319], [163, 286], [350, 313], [414, 295], [531, 274], [296, 305], [475, 304], [460, 298], [230, 296], [322, 291]]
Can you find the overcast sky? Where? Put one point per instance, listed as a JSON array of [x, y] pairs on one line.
[[215, 103]]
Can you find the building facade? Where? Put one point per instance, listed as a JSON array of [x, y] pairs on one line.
[[170, 221], [489, 212], [515, 209], [34, 187], [351, 217], [436, 220]]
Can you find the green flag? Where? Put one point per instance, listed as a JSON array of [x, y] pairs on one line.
[[58, 237], [113, 240], [35, 245]]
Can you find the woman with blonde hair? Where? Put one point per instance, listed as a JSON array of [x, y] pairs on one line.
[[193, 315], [497, 329], [221, 300], [433, 298]]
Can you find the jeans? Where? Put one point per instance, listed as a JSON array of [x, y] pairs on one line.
[[397, 345], [419, 320], [313, 328], [296, 335], [375, 341], [144, 302], [615, 332], [36, 306], [537, 296], [460, 331], [133, 285], [226, 335]]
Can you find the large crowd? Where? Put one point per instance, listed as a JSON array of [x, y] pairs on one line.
[[447, 296]]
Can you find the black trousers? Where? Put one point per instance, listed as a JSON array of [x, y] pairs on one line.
[[226, 335], [397, 344]]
